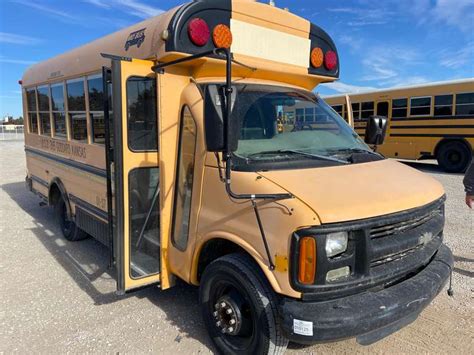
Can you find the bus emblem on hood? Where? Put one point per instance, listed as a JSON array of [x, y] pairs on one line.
[[135, 39]]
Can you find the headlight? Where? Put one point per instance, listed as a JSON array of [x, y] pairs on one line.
[[336, 243]]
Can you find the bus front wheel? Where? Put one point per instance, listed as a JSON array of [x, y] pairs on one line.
[[239, 308], [69, 229], [454, 157]]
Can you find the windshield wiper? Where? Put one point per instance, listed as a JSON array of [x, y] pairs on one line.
[[298, 152], [355, 150]]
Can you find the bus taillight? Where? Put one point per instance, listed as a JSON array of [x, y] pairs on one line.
[[198, 32], [330, 60]]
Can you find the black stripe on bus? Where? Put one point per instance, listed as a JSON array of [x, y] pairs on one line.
[[432, 126], [88, 207], [69, 162], [40, 181], [431, 135], [430, 118]]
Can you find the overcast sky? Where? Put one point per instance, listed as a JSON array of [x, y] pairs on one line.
[[381, 43]]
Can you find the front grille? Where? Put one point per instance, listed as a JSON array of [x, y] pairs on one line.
[[400, 227]]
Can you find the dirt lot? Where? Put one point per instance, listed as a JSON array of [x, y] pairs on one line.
[[58, 297]]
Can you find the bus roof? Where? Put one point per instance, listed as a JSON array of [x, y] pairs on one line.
[[402, 88], [284, 39]]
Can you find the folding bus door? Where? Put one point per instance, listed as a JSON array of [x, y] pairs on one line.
[[136, 178]]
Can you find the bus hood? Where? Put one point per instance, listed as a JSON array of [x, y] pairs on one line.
[[352, 192]]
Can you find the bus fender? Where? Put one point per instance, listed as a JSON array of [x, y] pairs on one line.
[[57, 183], [240, 244]]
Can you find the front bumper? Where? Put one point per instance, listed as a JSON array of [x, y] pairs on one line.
[[370, 315]]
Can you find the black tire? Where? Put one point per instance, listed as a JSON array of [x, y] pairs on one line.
[[236, 281], [454, 157], [69, 229]]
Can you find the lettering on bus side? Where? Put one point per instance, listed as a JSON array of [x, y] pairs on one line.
[[64, 148]]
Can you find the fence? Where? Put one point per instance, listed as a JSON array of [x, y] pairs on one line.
[[11, 132]]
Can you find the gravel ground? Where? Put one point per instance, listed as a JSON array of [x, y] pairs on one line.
[[58, 296]]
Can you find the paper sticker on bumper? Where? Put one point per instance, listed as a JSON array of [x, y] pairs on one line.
[[302, 327]]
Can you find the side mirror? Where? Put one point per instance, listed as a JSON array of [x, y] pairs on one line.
[[376, 130], [214, 116]]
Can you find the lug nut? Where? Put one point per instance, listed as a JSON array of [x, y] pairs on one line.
[[223, 304], [223, 330], [218, 323], [231, 330], [232, 321], [228, 311], [215, 313]]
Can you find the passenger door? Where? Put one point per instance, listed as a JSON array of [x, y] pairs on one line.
[[136, 178]]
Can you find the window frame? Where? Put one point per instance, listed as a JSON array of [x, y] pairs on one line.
[[175, 190], [63, 85], [399, 108], [367, 110], [90, 112], [155, 80], [421, 97], [39, 112], [435, 106], [35, 112], [69, 112], [455, 103], [359, 111]]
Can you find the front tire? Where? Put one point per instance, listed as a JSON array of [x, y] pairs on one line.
[[69, 229], [240, 308], [454, 157]]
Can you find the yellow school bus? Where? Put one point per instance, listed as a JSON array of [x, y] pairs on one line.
[[427, 121], [170, 143]]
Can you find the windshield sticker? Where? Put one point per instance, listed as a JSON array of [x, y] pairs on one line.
[[135, 39]]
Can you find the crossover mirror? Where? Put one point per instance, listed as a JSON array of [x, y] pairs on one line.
[[376, 130]]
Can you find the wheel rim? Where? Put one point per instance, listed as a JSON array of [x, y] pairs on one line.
[[454, 157], [233, 315]]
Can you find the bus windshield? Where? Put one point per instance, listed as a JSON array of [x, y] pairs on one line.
[[279, 125]]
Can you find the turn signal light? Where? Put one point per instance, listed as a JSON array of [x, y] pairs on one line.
[[222, 36], [330, 60], [198, 32], [317, 57], [307, 262]]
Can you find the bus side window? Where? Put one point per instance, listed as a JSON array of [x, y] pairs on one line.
[[59, 115], [356, 111], [142, 118], [96, 108], [420, 106], [465, 104], [32, 113], [443, 105], [399, 108], [43, 106], [184, 180], [77, 109], [367, 110]]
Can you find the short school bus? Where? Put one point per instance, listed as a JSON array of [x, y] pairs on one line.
[[164, 142], [433, 120]]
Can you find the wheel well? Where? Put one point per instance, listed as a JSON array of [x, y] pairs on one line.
[[214, 249], [54, 194], [449, 140]]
